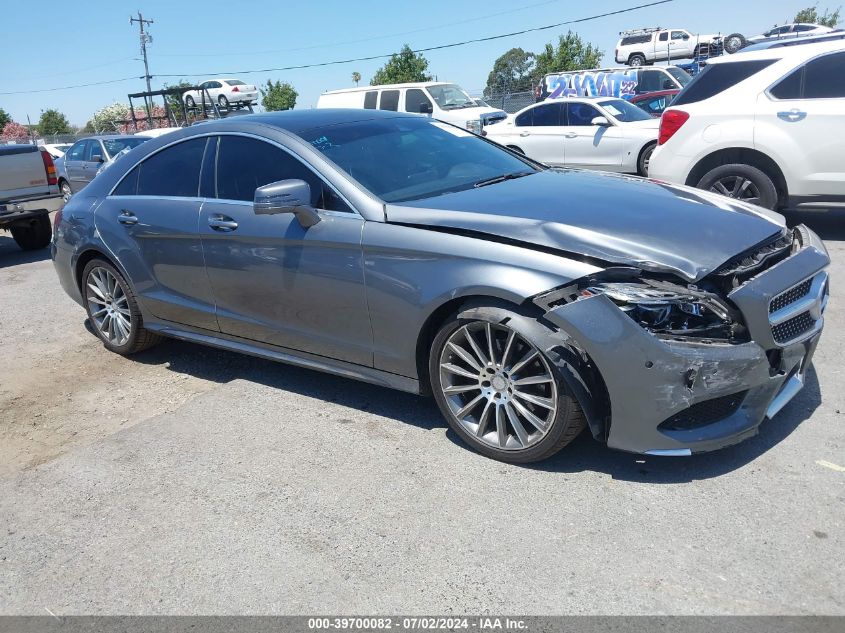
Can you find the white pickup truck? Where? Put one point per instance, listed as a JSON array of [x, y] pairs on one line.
[[638, 47], [27, 174]]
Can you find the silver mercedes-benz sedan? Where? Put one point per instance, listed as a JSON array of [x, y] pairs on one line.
[[409, 253]]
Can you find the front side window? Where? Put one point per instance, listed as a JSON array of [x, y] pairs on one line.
[[716, 78], [415, 99], [451, 97], [413, 158], [389, 100], [93, 151], [650, 81], [680, 75], [580, 114], [245, 164], [624, 111], [174, 171], [679, 35], [370, 99]]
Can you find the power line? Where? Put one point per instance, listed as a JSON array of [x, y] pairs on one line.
[[364, 40], [361, 59], [96, 83], [427, 49]]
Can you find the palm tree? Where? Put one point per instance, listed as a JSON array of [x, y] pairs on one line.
[[356, 77]]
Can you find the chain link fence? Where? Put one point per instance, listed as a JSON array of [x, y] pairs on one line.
[[510, 102]]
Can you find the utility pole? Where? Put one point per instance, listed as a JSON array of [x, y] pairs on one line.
[[146, 38]]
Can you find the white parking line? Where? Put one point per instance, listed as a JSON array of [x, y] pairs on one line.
[[830, 465]]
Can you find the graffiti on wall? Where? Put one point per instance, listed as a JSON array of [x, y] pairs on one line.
[[614, 83]]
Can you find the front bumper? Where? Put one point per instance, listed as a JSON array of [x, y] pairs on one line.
[[676, 397]]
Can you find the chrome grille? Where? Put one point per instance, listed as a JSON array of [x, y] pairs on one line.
[[796, 313], [790, 296]]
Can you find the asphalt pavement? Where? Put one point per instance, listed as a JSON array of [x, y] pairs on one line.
[[268, 489]]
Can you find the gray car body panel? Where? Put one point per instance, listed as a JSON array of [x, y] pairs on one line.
[[380, 274]]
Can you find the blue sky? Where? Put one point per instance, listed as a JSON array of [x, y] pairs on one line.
[[52, 44]]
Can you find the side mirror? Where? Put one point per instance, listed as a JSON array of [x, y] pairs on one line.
[[685, 37], [96, 158], [426, 108], [286, 196], [600, 121]]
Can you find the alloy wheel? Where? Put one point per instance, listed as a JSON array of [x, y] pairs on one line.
[[66, 192], [108, 306], [737, 187], [498, 386]]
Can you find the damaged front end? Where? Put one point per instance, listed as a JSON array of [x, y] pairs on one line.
[[695, 367]]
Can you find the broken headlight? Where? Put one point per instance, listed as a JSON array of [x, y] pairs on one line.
[[667, 308]]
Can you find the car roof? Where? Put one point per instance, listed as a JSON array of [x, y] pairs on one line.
[[298, 121], [104, 137], [418, 84], [809, 46]]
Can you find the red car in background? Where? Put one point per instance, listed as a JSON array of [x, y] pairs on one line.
[[654, 102]]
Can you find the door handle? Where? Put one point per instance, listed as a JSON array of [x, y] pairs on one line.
[[792, 115], [525, 133], [570, 135], [127, 217], [222, 223]]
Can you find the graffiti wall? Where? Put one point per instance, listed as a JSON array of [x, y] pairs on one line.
[[613, 83]]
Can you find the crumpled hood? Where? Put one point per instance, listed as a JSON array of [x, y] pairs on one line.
[[617, 219]]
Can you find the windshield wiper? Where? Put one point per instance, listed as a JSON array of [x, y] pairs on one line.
[[502, 178]]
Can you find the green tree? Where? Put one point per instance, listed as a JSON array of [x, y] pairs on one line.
[[174, 102], [810, 15], [53, 122], [356, 77], [571, 53], [402, 67], [278, 96], [512, 72], [4, 118]]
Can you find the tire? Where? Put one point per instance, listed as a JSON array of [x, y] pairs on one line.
[[67, 192], [104, 288], [734, 42], [741, 182], [223, 102], [636, 59], [514, 148], [643, 160], [499, 424], [190, 103], [36, 234]]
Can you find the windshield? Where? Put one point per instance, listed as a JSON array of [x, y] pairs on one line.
[[624, 111], [115, 145], [682, 76], [451, 97], [401, 159]]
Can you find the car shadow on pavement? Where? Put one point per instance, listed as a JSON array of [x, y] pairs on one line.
[[584, 454], [828, 224], [12, 255]]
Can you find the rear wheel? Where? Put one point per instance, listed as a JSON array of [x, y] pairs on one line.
[[223, 102], [741, 182], [498, 391], [645, 158], [189, 102], [637, 59], [66, 190], [33, 235], [113, 309]]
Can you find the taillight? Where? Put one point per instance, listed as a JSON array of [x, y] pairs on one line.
[[49, 167], [236, 89], [671, 122]]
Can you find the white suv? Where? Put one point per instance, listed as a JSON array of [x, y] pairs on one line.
[[765, 126]]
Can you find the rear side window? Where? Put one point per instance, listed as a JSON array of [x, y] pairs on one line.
[[716, 78], [370, 100], [244, 164], [820, 78], [174, 171], [526, 119], [389, 100], [547, 115], [635, 39]]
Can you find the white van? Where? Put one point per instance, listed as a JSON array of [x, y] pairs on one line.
[[444, 101]]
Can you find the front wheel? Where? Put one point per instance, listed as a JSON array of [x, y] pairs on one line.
[[741, 182], [113, 309], [498, 391], [36, 234]]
